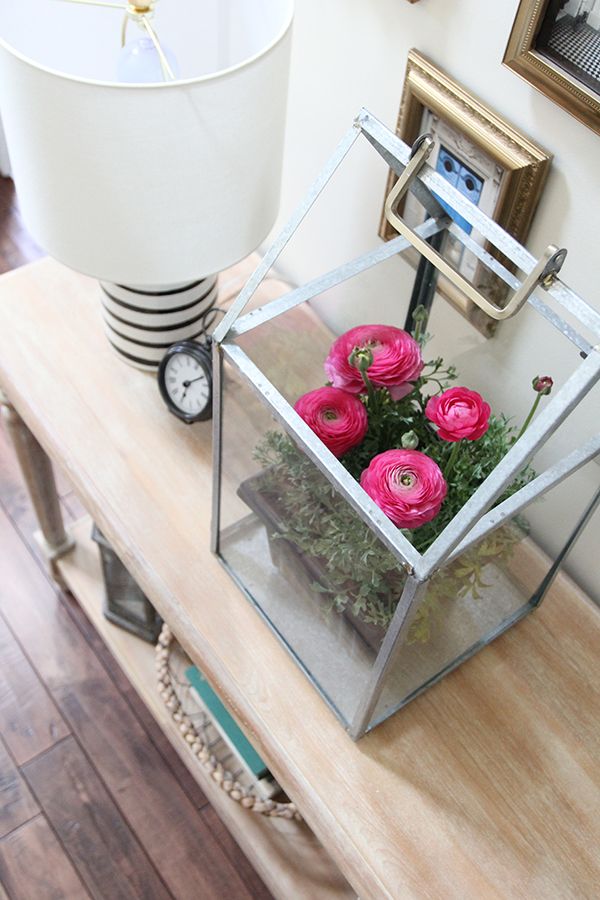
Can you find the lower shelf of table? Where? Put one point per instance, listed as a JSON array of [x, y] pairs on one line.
[[286, 854]]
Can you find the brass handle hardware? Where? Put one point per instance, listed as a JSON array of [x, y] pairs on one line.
[[552, 268], [543, 274], [419, 154]]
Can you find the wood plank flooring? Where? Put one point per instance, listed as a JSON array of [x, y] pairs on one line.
[[94, 802]]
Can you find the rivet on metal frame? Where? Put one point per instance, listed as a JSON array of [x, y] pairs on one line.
[[552, 268]]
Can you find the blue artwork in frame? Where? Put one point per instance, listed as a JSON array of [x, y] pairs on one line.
[[462, 177]]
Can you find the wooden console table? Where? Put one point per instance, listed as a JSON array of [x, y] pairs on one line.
[[486, 786]]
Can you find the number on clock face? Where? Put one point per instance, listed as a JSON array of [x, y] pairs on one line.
[[186, 383]]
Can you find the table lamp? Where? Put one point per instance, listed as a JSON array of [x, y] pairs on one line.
[[145, 141]]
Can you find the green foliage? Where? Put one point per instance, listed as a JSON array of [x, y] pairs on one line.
[[389, 420], [356, 571], [319, 522], [475, 461]]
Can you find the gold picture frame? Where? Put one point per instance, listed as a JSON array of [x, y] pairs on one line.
[[524, 57], [509, 168]]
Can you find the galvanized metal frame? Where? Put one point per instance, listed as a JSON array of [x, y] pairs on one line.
[[383, 139], [473, 521], [331, 279], [409, 601], [591, 508], [412, 594], [535, 489], [542, 427], [270, 257], [322, 457], [217, 444]]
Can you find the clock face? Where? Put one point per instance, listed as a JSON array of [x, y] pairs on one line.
[[187, 384]]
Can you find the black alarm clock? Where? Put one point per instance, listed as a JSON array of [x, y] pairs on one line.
[[185, 380]]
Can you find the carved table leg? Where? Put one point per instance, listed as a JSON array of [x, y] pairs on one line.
[[38, 475]]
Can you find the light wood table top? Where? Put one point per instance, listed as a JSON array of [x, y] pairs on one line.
[[488, 785]]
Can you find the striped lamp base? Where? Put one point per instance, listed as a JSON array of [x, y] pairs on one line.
[[141, 323]]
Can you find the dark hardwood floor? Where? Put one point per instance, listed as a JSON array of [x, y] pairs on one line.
[[94, 802]]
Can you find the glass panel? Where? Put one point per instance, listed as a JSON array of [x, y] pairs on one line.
[[315, 571], [471, 601], [329, 588]]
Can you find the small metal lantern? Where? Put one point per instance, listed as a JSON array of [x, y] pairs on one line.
[[125, 604], [363, 675]]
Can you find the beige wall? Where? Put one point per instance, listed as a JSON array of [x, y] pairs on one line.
[[351, 53]]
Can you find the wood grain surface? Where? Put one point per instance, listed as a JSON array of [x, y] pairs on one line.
[[288, 857], [486, 786], [33, 726], [186, 853], [29, 720], [34, 866], [107, 854], [16, 802]]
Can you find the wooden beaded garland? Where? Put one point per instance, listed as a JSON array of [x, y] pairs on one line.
[[194, 739]]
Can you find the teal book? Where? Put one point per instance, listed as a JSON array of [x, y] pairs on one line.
[[226, 724]]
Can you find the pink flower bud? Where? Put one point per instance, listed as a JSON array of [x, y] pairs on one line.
[[338, 418], [542, 384]]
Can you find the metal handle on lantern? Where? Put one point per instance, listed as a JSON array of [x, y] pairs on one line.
[[543, 273]]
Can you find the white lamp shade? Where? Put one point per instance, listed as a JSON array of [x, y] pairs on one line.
[[151, 184]]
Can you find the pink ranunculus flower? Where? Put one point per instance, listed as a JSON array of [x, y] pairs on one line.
[[459, 414], [407, 485], [396, 360], [338, 418]]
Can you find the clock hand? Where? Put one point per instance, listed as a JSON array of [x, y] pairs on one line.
[[186, 384]]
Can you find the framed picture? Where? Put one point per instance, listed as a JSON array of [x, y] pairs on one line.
[[555, 45], [494, 165]]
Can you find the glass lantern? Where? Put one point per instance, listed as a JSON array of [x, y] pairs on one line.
[[371, 620], [125, 604]]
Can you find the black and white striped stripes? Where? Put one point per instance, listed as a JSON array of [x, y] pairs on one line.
[[141, 323]]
